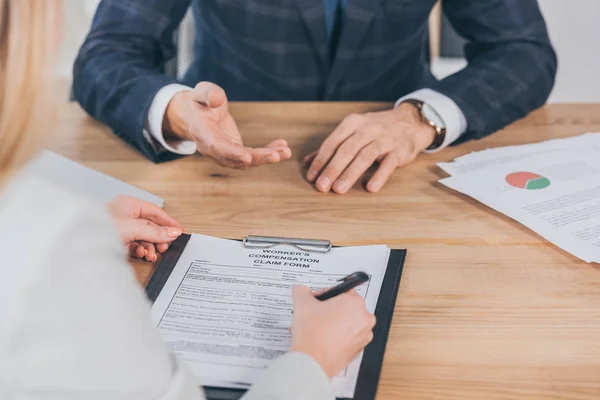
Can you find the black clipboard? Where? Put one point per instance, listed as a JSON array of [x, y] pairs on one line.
[[370, 368]]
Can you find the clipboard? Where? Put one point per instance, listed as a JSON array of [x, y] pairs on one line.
[[370, 368]]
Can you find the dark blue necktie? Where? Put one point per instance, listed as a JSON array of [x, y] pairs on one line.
[[334, 10], [331, 11]]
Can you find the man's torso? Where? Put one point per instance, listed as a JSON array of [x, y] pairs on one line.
[[280, 50]]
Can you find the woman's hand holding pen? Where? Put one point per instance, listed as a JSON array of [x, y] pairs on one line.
[[332, 332], [145, 228]]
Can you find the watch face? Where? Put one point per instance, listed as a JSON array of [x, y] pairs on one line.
[[433, 116]]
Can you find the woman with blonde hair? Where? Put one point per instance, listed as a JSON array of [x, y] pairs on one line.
[[74, 324]]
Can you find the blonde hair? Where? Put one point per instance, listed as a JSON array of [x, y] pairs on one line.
[[26, 39]]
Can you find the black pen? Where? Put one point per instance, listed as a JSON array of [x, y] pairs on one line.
[[348, 283]]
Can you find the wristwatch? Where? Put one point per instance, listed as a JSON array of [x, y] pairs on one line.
[[432, 118]]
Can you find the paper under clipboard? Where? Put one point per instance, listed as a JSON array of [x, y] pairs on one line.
[[204, 289], [84, 181]]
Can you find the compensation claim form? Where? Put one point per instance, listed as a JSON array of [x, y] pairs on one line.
[[226, 309]]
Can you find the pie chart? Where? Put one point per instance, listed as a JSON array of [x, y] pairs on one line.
[[527, 180]]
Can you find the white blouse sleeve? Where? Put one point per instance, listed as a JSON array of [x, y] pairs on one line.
[[75, 324], [79, 326]]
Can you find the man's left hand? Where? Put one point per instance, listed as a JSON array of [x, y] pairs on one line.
[[393, 138]]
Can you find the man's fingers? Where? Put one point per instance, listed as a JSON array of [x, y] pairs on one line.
[[285, 153], [310, 158], [221, 148], [361, 163], [342, 158], [256, 157], [209, 94], [385, 170], [281, 145], [270, 155], [278, 143], [331, 144], [264, 156]]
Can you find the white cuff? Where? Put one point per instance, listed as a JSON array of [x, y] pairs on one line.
[[456, 123], [156, 115]]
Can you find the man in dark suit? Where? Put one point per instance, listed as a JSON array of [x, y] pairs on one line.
[[290, 50]]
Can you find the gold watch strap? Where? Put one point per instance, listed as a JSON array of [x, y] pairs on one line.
[[440, 133]]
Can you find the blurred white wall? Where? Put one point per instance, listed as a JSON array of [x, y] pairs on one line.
[[572, 24], [77, 17], [574, 31]]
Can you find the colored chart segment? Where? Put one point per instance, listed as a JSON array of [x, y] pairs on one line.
[[527, 180]]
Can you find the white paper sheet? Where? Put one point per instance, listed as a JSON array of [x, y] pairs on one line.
[[586, 144], [226, 309], [84, 181], [561, 201]]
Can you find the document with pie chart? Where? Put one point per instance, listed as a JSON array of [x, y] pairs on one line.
[[557, 195], [527, 180]]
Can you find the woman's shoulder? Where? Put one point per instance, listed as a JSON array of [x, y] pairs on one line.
[[28, 187], [36, 212], [28, 197]]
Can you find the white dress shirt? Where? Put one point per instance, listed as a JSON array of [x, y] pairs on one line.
[[75, 324], [451, 114]]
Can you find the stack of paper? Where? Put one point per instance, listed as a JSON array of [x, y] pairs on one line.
[[226, 309], [84, 181], [552, 187]]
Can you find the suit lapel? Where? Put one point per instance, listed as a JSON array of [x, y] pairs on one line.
[[358, 18], [313, 15]]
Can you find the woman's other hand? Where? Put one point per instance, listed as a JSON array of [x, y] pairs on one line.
[[145, 228]]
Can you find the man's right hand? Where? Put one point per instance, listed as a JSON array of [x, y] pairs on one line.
[[202, 115], [332, 332]]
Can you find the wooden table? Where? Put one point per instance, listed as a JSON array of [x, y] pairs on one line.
[[486, 310]]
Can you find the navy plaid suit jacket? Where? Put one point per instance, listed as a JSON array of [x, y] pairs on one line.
[[279, 50]]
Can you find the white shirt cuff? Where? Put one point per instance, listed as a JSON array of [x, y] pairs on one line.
[[156, 115], [448, 110]]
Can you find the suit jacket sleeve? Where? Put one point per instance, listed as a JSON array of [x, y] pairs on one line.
[[119, 68], [512, 65]]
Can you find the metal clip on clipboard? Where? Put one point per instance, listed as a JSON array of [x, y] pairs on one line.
[[268, 242]]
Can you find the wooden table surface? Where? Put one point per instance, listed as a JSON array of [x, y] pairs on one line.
[[486, 309]]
